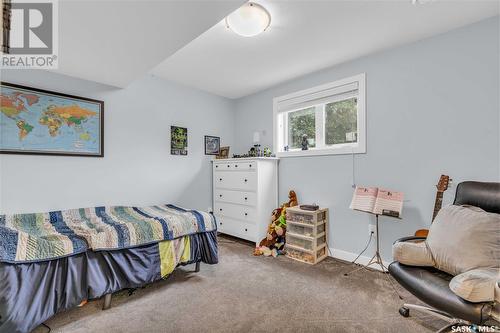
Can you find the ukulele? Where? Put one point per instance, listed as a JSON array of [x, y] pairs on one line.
[[442, 186]]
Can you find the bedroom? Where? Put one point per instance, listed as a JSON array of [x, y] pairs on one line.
[[168, 86]]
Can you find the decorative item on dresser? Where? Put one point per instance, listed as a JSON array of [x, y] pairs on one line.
[[307, 234], [244, 192], [223, 153]]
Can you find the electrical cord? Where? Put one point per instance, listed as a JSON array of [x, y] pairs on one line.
[[366, 247], [47, 326], [353, 169]]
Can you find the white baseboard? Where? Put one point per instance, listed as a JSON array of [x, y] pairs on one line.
[[349, 256]]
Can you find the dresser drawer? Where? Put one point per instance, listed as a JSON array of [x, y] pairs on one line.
[[240, 212], [222, 166], [236, 180], [244, 166], [237, 228], [235, 166], [237, 197]]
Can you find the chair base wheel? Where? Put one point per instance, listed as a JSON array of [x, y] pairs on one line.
[[405, 312]]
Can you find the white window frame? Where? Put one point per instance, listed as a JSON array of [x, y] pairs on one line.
[[279, 130]]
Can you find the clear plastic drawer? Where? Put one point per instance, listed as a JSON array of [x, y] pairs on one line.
[[302, 218], [299, 242], [300, 255], [321, 252], [305, 217], [300, 230], [320, 240]]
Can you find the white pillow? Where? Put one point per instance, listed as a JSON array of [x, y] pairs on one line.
[[463, 238], [477, 285], [412, 253]]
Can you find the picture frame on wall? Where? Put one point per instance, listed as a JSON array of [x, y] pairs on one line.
[[212, 145], [178, 140], [42, 122]]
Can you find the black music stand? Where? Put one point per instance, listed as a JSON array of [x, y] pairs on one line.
[[376, 259]]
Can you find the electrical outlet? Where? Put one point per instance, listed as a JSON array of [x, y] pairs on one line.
[[372, 229]]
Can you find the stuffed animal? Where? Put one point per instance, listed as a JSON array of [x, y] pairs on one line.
[[276, 214], [274, 242], [293, 199]]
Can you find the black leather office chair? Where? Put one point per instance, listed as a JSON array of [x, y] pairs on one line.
[[431, 285]]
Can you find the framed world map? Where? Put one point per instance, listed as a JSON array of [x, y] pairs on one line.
[[35, 121]]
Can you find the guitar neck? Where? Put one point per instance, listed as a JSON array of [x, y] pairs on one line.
[[438, 203]]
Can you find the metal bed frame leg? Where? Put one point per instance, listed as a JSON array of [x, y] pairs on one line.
[[197, 267], [107, 301]]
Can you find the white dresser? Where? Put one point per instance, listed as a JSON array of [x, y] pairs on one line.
[[245, 192]]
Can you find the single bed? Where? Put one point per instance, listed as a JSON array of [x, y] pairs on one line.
[[51, 262]]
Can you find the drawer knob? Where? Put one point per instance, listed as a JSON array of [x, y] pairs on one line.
[[246, 198], [250, 165], [220, 179], [228, 165], [216, 166], [246, 180], [220, 223], [246, 214], [220, 195], [246, 229], [220, 209]]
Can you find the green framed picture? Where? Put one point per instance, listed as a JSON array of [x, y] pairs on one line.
[[178, 140]]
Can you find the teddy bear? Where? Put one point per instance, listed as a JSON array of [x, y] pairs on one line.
[[274, 242], [273, 230], [292, 196]]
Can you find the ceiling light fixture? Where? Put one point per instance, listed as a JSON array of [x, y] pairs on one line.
[[249, 20], [420, 2]]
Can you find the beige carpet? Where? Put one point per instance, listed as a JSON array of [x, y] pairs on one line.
[[244, 293]]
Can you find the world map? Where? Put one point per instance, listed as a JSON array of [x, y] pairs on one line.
[[39, 122]]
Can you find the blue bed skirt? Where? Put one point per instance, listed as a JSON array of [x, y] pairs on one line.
[[31, 293]]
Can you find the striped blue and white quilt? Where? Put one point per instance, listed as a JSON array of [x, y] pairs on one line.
[[43, 236]]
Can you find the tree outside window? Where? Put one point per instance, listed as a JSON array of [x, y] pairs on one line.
[[299, 123], [341, 122]]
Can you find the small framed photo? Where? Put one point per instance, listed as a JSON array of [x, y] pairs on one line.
[[224, 153], [212, 145]]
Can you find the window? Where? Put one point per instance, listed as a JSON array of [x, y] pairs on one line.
[[301, 122], [341, 121], [328, 119]]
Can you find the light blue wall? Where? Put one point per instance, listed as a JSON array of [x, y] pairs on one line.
[[137, 168], [432, 108]]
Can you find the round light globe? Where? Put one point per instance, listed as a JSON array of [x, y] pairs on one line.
[[249, 20]]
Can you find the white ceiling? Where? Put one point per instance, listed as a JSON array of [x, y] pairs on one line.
[[306, 36], [115, 42]]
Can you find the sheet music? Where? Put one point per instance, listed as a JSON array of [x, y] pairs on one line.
[[364, 198], [375, 200], [389, 200]]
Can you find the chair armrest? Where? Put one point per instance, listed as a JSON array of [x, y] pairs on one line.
[[409, 238]]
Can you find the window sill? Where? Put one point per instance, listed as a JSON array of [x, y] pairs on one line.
[[343, 150]]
